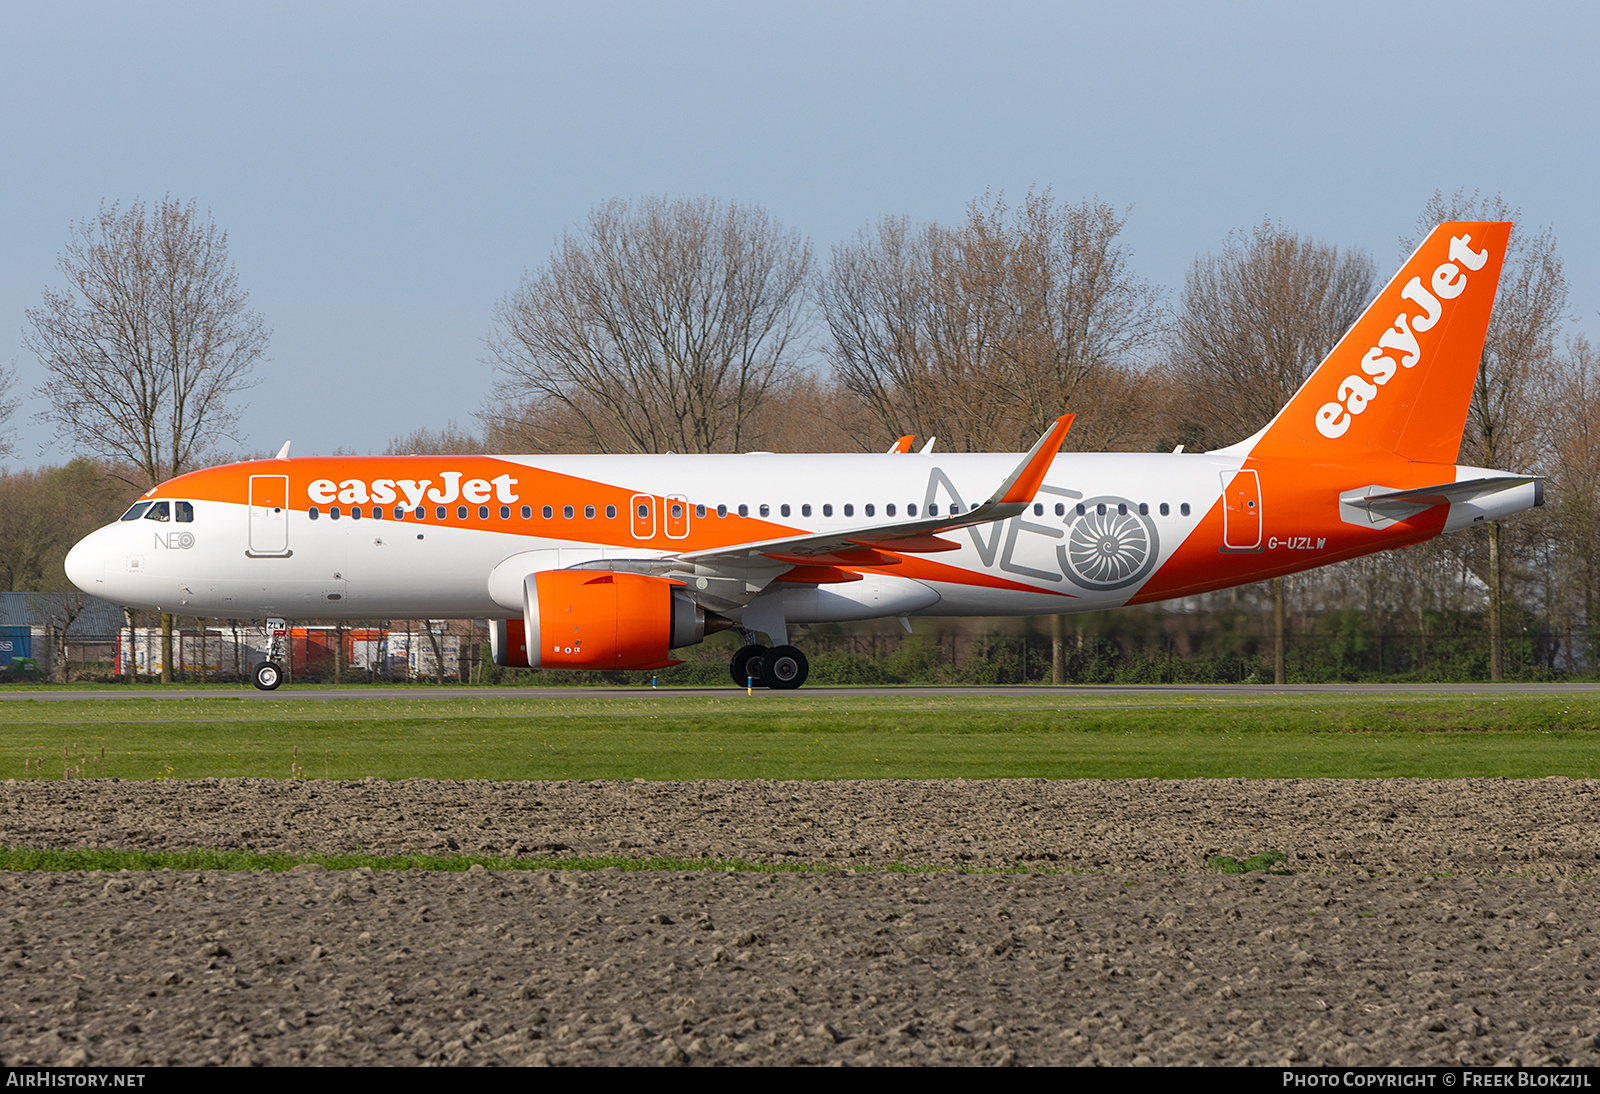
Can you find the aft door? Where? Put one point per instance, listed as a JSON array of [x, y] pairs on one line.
[[269, 516], [1241, 511]]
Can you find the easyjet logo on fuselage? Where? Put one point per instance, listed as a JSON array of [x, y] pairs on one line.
[[1357, 392], [413, 491]]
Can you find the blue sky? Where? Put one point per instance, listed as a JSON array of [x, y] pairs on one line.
[[386, 172]]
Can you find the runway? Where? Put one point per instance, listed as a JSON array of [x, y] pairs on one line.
[[1068, 692]]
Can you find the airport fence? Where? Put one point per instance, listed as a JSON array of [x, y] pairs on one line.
[[970, 652]]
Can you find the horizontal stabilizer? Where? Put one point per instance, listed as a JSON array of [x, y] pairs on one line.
[[1443, 494], [1470, 499]]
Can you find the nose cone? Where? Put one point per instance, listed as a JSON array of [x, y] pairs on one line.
[[86, 565]]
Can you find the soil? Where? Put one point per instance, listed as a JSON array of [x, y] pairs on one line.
[[1424, 922]]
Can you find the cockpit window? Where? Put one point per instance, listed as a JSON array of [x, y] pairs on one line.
[[183, 511], [159, 510], [137, 511]]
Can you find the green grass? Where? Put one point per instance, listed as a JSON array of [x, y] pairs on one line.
[[794, 736]]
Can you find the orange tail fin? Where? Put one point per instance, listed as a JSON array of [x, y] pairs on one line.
[[1400, 380]]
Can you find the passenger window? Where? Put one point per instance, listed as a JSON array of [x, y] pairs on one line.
[[722, 510], [699, 511], [783, 510], [1100, 510], [1122, 509], [766, 510], [312, 513], [827, 510], [888, 510], [441, 513], [137, 511], [744, 510], [527, 512], [547, 512], [1038, 510], [911, 510], [566, 511], [183, 512], [588, 512], [1081, 510], [333, 512], [1144, 509], [483, 512], [505, 512], [611, 512], [159, 510], [677, 511], [422, 514], [868, 509], [355, 512], [461, 512], [805, 510], [1184, 508], [1166, 510], [955, 509], [933, 509], [399, 512], [1061, 509], [849, 510]]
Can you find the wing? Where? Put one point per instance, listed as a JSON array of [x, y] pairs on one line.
[[853, 546], [728, 577]]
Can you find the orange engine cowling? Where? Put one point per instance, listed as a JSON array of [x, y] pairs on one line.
[[599, 619]]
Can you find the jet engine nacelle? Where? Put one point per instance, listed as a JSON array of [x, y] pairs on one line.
[[599, 619]]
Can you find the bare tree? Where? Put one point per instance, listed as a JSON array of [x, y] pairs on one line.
[[146, 347], [8, 378], [47, 510], [1518, 358], [1570, 417], [982, 333], [662, 327], [1255, 321]]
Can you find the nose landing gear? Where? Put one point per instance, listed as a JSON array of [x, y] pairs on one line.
[[269, 674]]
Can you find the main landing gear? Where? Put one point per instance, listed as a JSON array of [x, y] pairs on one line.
[[780, 668]]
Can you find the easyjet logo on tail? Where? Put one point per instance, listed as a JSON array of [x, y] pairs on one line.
[[1356, 393]]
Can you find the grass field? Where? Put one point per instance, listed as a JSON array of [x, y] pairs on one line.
[[732, 736]]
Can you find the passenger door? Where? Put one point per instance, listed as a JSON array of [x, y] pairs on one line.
[[269, 516], [1241, 511]]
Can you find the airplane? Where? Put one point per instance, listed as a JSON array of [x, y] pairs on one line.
[[613, 561]]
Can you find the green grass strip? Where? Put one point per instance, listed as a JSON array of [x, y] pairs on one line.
[[1170, 735]]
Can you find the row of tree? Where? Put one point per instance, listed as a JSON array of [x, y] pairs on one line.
[[700, 326]]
